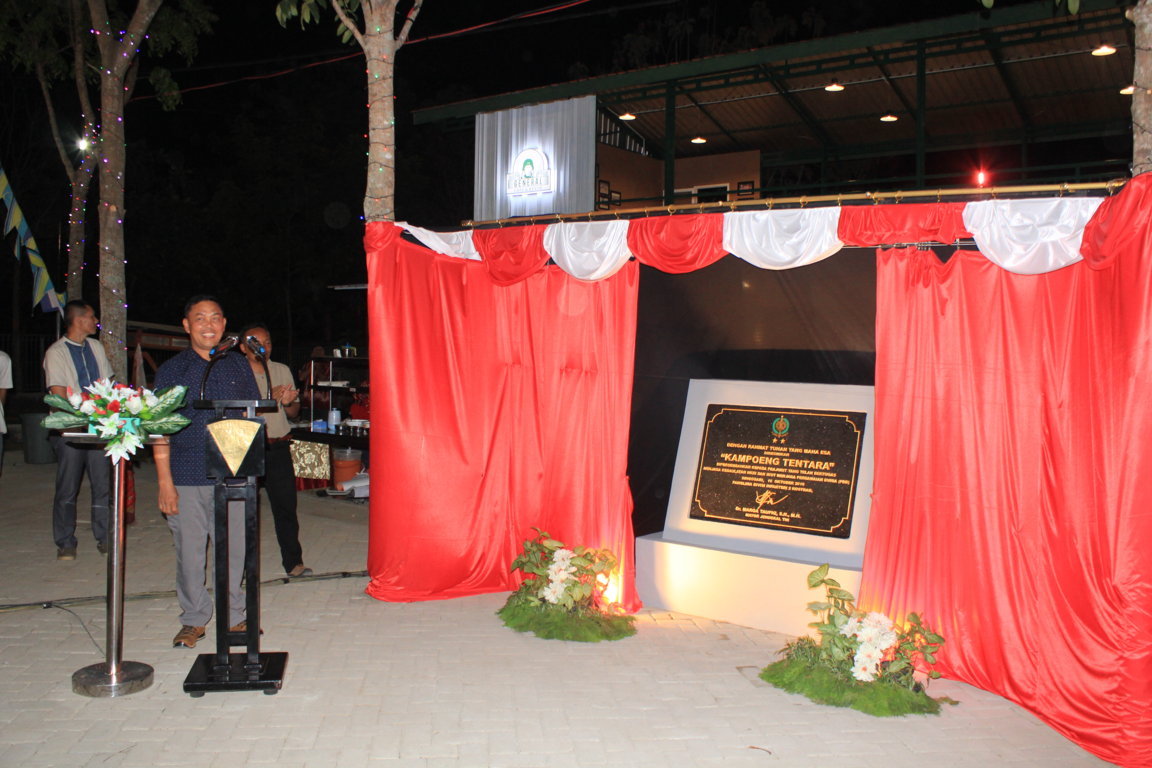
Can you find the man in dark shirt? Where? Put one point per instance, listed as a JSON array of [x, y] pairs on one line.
[[186, 492]]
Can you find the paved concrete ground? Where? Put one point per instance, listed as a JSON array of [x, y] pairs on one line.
[[424, 684]]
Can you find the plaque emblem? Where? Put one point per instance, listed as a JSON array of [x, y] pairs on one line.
[[780, 427]]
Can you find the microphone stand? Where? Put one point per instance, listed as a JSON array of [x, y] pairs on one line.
[[252, 670]]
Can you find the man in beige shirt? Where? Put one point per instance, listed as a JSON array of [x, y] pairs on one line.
[[279, 477]]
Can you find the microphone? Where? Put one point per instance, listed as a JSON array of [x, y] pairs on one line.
[[223, 346], [256, 347]]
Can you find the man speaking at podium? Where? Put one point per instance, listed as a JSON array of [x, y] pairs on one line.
[[186, 491]]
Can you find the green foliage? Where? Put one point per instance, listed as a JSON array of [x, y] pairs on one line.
[[824, 686], [562, 595], [862, 660], [551, 622]]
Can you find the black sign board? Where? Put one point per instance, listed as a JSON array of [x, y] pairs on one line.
[[785, 468]]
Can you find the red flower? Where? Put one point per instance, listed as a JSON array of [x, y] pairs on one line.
[[114, 406]]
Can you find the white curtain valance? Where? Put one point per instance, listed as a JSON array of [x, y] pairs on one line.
[[782, 239], [590, 250], [457, 244], [1030, 237]]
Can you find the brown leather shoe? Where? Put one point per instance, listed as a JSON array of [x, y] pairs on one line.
[[241, 627], [187, 636]]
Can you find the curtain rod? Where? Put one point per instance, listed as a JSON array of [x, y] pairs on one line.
[[803, 201]]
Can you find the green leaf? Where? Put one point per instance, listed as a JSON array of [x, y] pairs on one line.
[[930, 658], [817, 607], [553, 544], [1073, 6], [169, 399], [817, 576], [897, 665], [831, 583], [56, 401], [841, 594], [987, 3], [165, 425], [61, 420]]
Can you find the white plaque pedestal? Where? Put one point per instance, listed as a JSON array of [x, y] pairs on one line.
[[737, 587]]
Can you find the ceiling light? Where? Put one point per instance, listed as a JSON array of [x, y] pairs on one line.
[[627, 116], [888, 118], [699, 140], [833, 87], [1128, 90], [1103, 50]]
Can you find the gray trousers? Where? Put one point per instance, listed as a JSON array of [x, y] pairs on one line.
[[192, 529], [72, 461]]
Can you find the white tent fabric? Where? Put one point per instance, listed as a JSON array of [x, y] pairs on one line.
[[782, 239], [457, 244], [591, 250], [1030, 237]]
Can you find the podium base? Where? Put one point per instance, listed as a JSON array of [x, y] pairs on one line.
[[95, 681], [205, 676]]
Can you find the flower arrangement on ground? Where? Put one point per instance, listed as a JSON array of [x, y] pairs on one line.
[[562, 595], [121, 416], [862, 660]]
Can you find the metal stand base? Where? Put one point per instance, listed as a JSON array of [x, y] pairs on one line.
[[95, 680], [206, 675]]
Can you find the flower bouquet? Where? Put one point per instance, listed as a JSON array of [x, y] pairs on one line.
[[863, 660], [121, 416], [562, 596]]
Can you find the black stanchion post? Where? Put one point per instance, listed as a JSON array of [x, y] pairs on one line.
[[236, 460]]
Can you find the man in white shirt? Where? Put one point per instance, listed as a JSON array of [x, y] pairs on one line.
[[73, 363], [279, 477]]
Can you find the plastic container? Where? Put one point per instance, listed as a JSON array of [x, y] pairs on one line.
[[37, 449], [346, 465]]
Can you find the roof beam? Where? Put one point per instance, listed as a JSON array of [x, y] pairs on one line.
[[966, 24], [996, 51], [781, 86]]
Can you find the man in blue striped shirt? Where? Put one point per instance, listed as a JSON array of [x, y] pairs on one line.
[[186, 491]]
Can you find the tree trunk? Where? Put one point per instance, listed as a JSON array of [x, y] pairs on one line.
[[81, 182], [113, 309], [1141, 16], [118, 51], [380, 49]]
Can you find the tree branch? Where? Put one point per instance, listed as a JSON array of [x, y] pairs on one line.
[[53, 124], [408, 21], [350, 24]]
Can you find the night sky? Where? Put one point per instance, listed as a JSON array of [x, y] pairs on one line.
[[251, 189]]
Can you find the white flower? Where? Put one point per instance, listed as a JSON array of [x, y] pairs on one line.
[[134, 404], [562, 556], [863, 672], [74, 398], [101, 388], [869, 654], [150, 399], [553, 592], [124, 447], [88, 407], [108, 426], [851, 627]]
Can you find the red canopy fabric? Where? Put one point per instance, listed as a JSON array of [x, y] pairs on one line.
[[494, 409], [513, 253], [872, 225], [1010, 452], [678, 244]]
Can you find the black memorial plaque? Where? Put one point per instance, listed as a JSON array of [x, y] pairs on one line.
[[785, 468]]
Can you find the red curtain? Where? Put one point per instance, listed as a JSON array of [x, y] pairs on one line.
[[494, 409], [1011, 421]]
